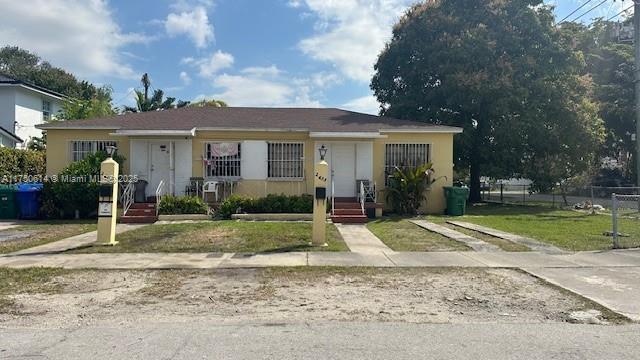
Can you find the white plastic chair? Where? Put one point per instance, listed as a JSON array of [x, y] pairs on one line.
[[210, 187]]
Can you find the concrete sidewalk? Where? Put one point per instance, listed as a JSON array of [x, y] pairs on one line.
[[527, 260]]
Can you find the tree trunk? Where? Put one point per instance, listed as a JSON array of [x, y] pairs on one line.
[[475, 195], [474, 178]]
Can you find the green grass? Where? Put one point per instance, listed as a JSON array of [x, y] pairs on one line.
[[45, 232], [401, 235], [221, 236], [26, 281], [566, 229]]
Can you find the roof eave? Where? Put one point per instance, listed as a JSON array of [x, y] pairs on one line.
[[435, 130], [43, 91], [11, 135], [77, 127]]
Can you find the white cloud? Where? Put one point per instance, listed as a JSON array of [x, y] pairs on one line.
[[193, 23], [325, 79], [264, 86], [351, 33], [294, 3], [262, 71], [209, 66], [79, 36], [185, 78], [366, 104]]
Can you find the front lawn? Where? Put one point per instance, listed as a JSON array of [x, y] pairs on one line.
[[221, 236], [27, 236], [401, 235], [566, 229]]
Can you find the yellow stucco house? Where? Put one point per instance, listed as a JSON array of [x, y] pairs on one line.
[[258, 151]]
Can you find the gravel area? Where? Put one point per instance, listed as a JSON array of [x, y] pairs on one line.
[[300, 294]]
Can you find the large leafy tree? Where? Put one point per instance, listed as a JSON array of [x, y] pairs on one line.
[[26, 66], [610, 64], [157, 101], [499, 69], [97, 106]]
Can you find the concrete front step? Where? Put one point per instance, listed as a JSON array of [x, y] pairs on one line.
[[143, 206], [349, 219], [141, 212], [357, 211], [128, 219], [346, 205]]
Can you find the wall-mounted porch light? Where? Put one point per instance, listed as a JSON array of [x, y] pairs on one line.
[[323, 152]]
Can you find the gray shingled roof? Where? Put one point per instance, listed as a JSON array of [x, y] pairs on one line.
[[311, 119]]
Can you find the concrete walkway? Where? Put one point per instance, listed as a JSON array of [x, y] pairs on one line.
[[475, 244], [360, 240], [617, 288], [72, 242], [532, 244]]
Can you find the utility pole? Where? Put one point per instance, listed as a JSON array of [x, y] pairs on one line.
[[636, 46]]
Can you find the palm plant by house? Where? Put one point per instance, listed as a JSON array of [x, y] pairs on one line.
[[407, 187]]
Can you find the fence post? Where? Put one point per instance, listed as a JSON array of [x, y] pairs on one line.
[[502, 193], [593, 199], [524, 199], [553, 198], [614, 220]]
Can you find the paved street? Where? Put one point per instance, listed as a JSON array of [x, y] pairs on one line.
[[337, 340]]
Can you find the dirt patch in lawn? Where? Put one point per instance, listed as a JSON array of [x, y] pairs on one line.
[[298, 295]]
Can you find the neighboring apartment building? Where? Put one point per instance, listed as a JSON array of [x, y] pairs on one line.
[[22, 107]]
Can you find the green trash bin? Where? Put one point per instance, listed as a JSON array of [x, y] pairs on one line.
[[8, 206], [456, 200]]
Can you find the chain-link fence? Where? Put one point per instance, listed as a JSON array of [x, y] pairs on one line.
[[596, 198]]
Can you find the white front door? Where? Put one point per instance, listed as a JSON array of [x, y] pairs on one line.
[[343, 169], [160, 165]]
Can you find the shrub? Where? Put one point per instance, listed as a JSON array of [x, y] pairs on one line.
[[171, 205], [15, 162], [406, 190], [61, 199], [272, 203]]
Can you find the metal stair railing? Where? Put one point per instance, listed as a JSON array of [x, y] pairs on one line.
[[127, 197], [159, 193]]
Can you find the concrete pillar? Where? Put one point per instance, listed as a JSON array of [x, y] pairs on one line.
[[108, 202]]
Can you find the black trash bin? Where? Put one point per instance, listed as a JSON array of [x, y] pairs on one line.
[[141, 188], [8, 204]]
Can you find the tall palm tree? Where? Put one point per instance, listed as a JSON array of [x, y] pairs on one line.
[[157, 100]]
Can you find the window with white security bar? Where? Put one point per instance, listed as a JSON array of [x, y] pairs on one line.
[[285, 160], [81, 149], [404, 156], [222, 160]]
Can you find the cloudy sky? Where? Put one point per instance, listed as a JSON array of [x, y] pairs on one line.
[[307, 53]]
